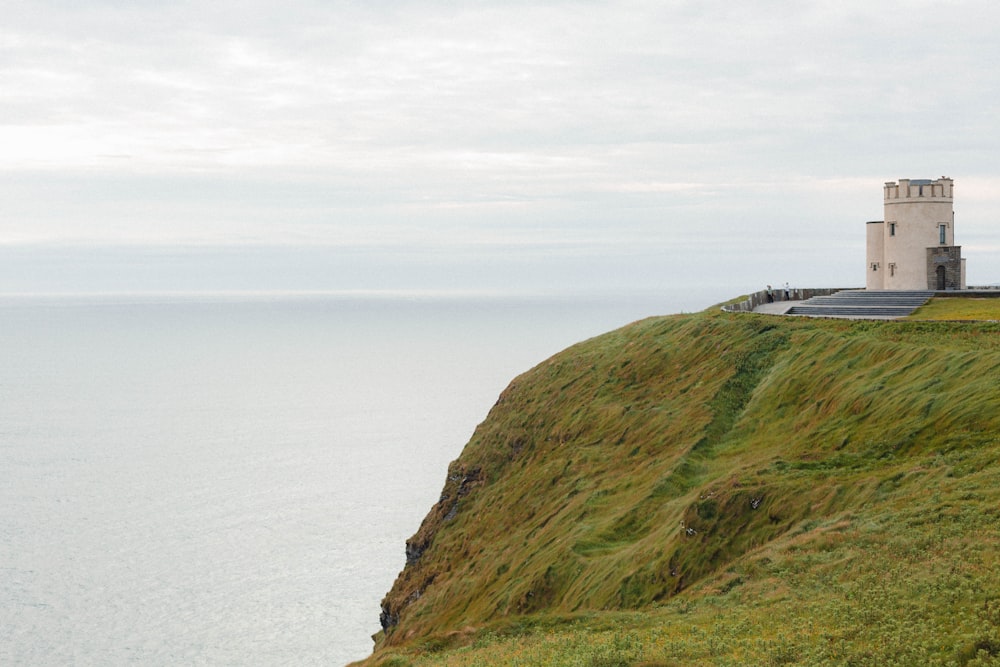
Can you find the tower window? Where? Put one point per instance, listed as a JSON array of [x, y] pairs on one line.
[[941, 233], [892, 229]]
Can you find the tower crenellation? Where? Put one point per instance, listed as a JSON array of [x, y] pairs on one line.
[[919, 189]]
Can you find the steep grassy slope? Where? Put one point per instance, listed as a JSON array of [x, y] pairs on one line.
[[829, 474]]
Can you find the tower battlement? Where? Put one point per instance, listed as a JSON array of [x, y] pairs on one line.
[[919, 189]]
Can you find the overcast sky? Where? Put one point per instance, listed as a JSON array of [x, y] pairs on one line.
[[483, 145]]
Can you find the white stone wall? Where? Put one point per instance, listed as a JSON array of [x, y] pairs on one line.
[[875, 255]]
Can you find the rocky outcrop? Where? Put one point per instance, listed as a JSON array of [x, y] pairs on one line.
[[414, 579]]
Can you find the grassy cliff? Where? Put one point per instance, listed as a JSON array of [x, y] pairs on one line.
[[722, 489]]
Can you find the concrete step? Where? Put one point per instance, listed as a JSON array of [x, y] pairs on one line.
[[880, 304], [845, 311], [870, 300]]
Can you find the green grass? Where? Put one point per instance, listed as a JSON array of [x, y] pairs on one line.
[[722, 489], [958, 309]]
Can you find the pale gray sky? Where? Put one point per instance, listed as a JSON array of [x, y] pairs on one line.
[[483, 145]]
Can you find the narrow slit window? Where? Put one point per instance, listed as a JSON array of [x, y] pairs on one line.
[[892, 229], [942, 232]]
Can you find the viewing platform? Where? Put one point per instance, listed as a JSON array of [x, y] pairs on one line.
[[851, 302]]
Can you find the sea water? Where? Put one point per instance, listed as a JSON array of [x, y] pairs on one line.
[[230, 479]]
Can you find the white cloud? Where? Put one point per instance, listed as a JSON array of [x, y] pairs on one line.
[[318, 122]]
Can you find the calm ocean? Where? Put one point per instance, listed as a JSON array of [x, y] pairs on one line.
[[231, 479]]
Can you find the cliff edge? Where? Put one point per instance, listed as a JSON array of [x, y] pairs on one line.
[[642, 483]]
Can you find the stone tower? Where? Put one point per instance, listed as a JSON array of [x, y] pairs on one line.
[[913, 248]]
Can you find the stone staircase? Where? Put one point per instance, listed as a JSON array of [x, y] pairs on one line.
[[863, 304]]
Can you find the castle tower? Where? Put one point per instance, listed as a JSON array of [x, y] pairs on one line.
[[913, 248]]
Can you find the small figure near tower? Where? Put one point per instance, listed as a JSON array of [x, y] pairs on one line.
[[913, 248]]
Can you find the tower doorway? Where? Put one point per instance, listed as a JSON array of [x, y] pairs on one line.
[[941, 277]]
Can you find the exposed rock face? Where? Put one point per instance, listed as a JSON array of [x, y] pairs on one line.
[[413, 553], [387, 619], [411, 582]]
